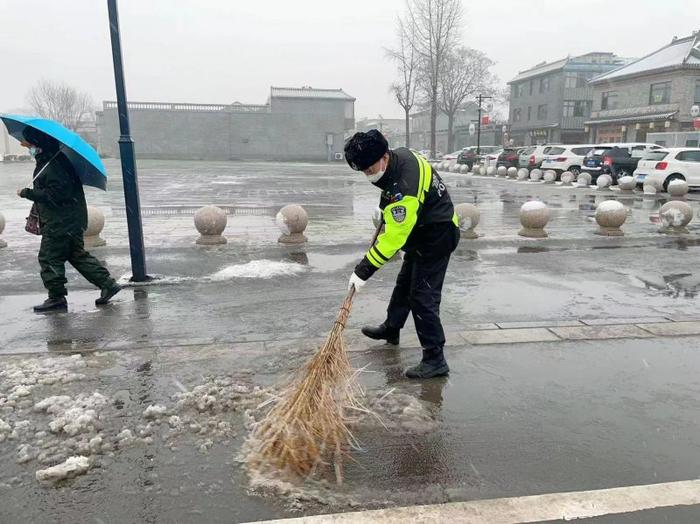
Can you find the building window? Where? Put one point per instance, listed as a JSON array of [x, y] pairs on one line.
[[544, 84], [660, 93], [609, 100], [542, 112], [569, 107], [529, 112], [582, 108], [575, 80], [517, 113], [697, 92], [519, 90], [532, 83]]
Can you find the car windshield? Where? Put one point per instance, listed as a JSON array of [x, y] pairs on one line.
[[655, 156], [555, 151]]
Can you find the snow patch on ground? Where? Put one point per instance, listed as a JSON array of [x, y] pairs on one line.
[[72, 467], [258, 269]]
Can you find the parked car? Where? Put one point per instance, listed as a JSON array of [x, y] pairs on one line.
[[537, 156], [469, 157], [451, 157], [427, 153], [674, 163], [490, 159], [524, 156], [617, 160], [508, 158], [566, 158]]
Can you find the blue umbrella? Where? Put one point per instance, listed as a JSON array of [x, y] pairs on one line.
[[84, 158]]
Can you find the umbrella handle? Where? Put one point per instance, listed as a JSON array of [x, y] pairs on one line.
[[45, 166]]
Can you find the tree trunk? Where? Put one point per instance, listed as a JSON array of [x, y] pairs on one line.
[[408, 128], [450, 135], [433, 122]]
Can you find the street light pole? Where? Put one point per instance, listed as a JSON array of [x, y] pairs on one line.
[[480, 98], [126, 152]]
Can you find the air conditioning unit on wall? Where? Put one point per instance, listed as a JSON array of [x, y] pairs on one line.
[[338, 156]]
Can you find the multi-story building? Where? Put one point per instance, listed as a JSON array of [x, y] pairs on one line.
[[652, 94], [551, 101], [295, 124]]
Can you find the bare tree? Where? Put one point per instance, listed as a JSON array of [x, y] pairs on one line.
[[435, 24], [60, 102], [466, 73], [406, 59]]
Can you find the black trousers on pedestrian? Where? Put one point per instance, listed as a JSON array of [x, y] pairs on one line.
[[56, 250], [418, 291]]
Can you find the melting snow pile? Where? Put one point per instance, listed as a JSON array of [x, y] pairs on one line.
[[672, 217], [72, 467], [258, 269]]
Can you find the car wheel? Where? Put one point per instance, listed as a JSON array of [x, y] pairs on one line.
[[575, 170], [668, 180]]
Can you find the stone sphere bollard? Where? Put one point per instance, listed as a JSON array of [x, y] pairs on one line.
[[627, 184], [95, 225], [482, 170], [512, 172], [550, 177], [2, 228], [610, 215], [584, 179], [604, 182], [535, 175], [490, 171], [534, 215], [523, 174], [464, 169], [292, 221], [677, 188], [210, 221], [475, 169], [502, 171], [675, 216], [567, 178], [469, 216]]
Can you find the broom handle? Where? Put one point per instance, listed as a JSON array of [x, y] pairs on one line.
[[351, 292]]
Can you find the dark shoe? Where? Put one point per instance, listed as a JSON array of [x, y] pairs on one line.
[[382, 332], [107, 295], [52, 304], [432, 365]]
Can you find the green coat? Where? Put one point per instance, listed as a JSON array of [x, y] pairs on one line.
[[59, 196]]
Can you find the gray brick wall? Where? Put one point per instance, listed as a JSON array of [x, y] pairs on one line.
[[293, 130]]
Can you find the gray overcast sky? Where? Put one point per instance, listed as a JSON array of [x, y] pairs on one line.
[[220, 51]]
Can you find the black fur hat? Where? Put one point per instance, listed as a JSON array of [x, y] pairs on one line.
[[364, 149]]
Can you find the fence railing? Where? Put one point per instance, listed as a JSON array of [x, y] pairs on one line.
[[166, 106]]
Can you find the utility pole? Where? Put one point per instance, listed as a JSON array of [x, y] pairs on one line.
[[126, 152], [480, 98]]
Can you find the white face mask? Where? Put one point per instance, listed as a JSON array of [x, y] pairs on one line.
[[377, 176]]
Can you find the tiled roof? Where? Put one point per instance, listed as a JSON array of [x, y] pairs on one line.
[[680, 52], [309, 92]]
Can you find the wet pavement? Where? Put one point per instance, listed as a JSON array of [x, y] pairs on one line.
[[512, 419]]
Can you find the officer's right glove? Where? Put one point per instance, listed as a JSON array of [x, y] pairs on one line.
[[357, 282]]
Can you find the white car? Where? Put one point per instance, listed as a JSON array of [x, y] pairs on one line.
[[491, 159], [664, 165], [565, 158], [451, 157]]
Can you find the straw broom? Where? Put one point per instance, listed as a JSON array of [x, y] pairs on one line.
[[307, 426]]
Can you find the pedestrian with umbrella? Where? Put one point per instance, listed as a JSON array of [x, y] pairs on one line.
[[64, 162]]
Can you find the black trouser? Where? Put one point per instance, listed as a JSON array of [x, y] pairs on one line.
[[419, 290], [56, 250]]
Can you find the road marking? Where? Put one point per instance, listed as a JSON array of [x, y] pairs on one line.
[[519, 510]]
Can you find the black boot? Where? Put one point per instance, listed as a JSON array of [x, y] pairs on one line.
[[382, 332], [107, 294], [432, 365], [52, 304]]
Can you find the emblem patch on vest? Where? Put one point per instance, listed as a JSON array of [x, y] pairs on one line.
[[399, 213]]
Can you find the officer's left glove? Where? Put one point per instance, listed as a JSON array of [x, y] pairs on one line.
[[357, 282]]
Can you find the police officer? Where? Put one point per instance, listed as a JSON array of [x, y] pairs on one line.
[[60, 201], [420, 220]]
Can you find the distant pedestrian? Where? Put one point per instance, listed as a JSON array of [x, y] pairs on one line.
[[59, 200]]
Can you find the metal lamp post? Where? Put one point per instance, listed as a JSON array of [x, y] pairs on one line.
[[126, 152]]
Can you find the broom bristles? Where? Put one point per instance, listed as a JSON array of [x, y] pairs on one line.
[[306, 427]]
